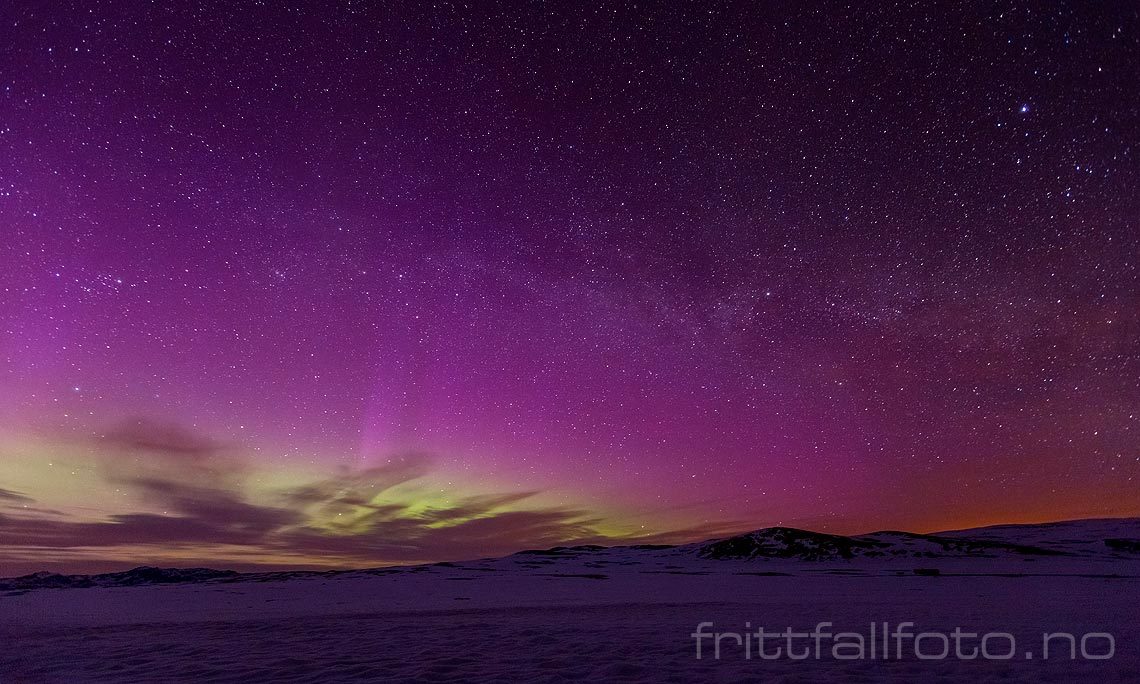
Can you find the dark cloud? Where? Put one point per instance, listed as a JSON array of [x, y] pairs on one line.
[[221, 509], [7, 495], [168, 439], [120, 530], [201, 488]]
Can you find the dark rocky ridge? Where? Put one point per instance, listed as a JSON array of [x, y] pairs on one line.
[[1123, 545], [792, 543], [787, 542], [131, 578]]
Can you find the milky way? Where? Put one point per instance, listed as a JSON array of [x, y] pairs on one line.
[[332, 283]]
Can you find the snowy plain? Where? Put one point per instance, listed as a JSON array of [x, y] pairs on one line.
[[616, 614]]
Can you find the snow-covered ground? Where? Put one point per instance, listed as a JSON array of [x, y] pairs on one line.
[[612, 614]]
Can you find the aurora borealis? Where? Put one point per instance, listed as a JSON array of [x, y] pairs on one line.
[[330, 284]]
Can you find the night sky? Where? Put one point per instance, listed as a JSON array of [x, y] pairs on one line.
[[343, 284]]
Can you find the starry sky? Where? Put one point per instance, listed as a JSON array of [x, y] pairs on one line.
[[345, 283]]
